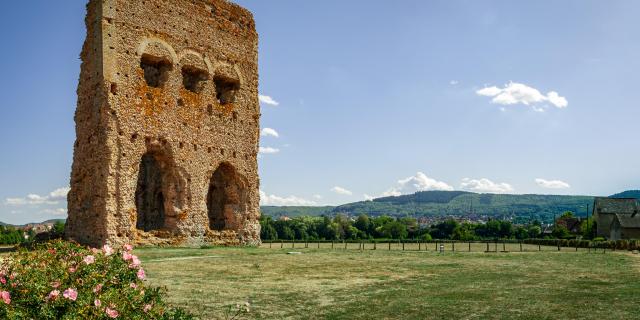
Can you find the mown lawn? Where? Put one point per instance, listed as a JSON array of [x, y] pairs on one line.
[[352, 284]]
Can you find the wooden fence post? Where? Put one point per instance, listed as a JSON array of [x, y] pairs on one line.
[[331, 244], [504, 249], [345, 244], [487, 246], [402, 245], [539, 247], [389, 245], [419, 246], [281, 244], [270, 244], [520, 246], [453, 246]]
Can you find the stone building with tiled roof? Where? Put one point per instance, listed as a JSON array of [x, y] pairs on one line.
[[617, 218]]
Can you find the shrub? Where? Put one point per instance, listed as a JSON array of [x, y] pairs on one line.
[[63, 280]]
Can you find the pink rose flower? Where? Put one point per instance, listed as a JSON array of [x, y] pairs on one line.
[[72, 269], [53, 295], [127, 256], [112, 313], [5, 296], [127, 247], [146, 308], [13, 275], [141, 274], [94, 250], [70, 294], [107, 250], [3, 280], [55, 284], [89, 259], [135, 262], [98, 288], [133, 285], [97, 302]]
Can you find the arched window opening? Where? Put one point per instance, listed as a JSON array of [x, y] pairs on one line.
[[156, 70], [226, 199], [226, 89], [194, 79], [150, 201]]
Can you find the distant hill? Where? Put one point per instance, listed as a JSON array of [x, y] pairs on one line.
[[453, 203], [295, 211], [47, 222], [627, 194]]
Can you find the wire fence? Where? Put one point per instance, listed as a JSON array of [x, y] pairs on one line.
[[488, 246]]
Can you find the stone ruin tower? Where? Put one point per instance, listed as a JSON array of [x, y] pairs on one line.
[[167, 125]]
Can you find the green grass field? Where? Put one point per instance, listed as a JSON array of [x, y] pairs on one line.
[[353, 284]]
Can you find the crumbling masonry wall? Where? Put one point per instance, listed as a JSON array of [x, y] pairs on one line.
[[167, 125]]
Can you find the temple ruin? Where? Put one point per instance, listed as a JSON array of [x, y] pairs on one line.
[[167, 125]]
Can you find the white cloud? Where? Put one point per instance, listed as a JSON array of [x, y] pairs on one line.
[[60, 193], [485, 185], [368, 197], [55, 212], [54, 197], [557, 100], [268, 100], [419, 182], [317, 196], [518, 93], [341, 190], [453, 82], [393, 192], [273, 200], [269, 132], [268, 150], [552, 184]]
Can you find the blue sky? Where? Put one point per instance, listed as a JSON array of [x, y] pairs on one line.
[[373, 98]]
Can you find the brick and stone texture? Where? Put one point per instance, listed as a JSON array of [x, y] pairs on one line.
[[167, 125]]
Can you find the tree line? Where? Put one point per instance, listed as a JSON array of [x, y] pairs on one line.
[[342, 227]]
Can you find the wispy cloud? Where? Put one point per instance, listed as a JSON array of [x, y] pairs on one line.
[[268, 100], [274, 200], [269, 132], [453, 82], [341, 190], [552, 184], [55, 212], [54, 197], [518, 93], [485, 185], [268, 150], [418, 182], [368, 197]]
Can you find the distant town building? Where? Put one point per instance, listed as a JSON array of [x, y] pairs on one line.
[[617, 218]]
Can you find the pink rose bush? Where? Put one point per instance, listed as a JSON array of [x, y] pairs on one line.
[[63, 280]]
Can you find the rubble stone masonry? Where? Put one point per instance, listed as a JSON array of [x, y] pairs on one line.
[[167, 125]]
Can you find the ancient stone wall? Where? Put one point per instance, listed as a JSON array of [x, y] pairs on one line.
[[167, 125]]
